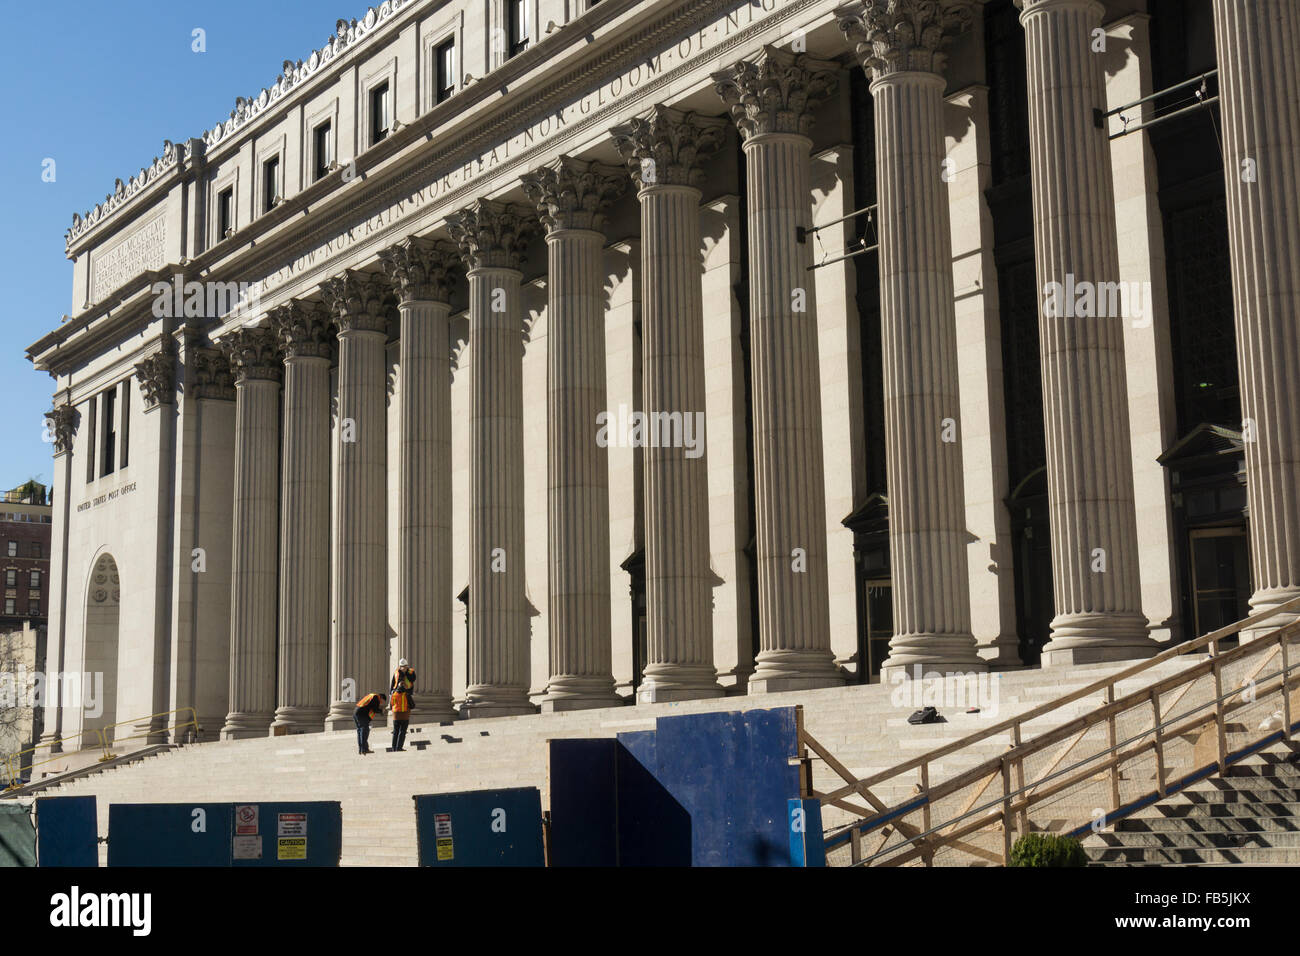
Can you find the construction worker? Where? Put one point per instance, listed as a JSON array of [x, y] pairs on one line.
[[403, 681], [368, 708]]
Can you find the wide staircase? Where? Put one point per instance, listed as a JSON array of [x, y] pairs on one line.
[[1088, 750], [1249, 815], [865, 724]]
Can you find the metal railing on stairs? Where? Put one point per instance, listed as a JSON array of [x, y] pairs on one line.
[[1088, 771], [14, 765]]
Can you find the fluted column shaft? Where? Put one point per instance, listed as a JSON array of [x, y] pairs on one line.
[[255, 534], [577, 476], [303, 692], [499, 668], [359, 642], [927, 515], [424, 523], [679, 596], [1089, 468], [772, 98], [1259, 82]]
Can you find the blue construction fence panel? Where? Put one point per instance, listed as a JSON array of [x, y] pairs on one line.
[[67, 831], [807, 848], [305, 833], [480, 828], [698, 790]]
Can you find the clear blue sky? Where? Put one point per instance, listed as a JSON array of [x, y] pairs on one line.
[[97, 85]]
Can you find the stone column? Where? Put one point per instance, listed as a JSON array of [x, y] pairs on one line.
[[421, 273], [255, 359], [491, 237], [359, 642], [1081, 331], [571, 195], [898, 44], [1259, 83], [663, 151], [305, 333], [772, 98]]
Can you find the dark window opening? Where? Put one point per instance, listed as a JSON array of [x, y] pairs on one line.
[[322, 154], [270, 183], [517, 15], [445, 84], [107, 461], [225, 212], [126, 423], [380, 119]]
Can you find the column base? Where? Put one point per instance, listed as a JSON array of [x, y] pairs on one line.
[[580, 693], [669, 682], [787, 669], [1262, 601], [241, 726], [1097, 639], [485, 700], [339, 716], [296, 720], [934, 654]]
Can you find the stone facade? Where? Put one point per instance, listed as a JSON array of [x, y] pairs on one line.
[[684, 352]]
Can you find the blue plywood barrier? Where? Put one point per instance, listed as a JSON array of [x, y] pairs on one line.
[[698, 790], [169, 834], [807, 847], [304, 833], [290, 834], [480, 828], [67, 833], [584, 819]]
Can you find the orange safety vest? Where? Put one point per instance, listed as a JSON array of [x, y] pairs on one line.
[[365, 702], [401, 706]]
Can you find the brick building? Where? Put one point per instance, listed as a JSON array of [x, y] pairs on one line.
[[25, 553]]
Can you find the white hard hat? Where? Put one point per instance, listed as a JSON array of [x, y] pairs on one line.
[[402, 662]]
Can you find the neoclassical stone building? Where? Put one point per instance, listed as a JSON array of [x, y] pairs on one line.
[[643, 350]]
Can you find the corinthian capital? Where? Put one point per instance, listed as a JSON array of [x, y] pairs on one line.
[[896, 36], [253, 354], [356, 301], [665, 147], [303, 329], [776, 91], [61, 424], [208, 375], [157, 377], [421, 269], [491, 235], [572, 193]]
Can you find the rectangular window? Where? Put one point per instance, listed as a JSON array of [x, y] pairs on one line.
[[380, 119], [108, 412], [322, 154], [11, 576], [34, 609], [445, 58], [35, 581], [270, 183], [225, 212], [125, 405], [9, 606], [92, 434], [36, 549], [517, 15]]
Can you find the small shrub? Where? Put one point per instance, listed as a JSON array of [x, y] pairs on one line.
[[1048, 849]]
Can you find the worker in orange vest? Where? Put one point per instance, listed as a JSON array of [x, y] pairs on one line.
[[369, 707], [402, 685]]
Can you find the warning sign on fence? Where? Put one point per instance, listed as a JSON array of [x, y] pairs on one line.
[[291, 848], [246, 819], [292, 825], [247, 848]]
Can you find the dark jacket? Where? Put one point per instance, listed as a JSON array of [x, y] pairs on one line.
[[369, 707]]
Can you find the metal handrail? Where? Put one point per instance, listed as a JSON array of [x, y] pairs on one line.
[[879, 815], [14, 775], [192, 722], [1119, 813]]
